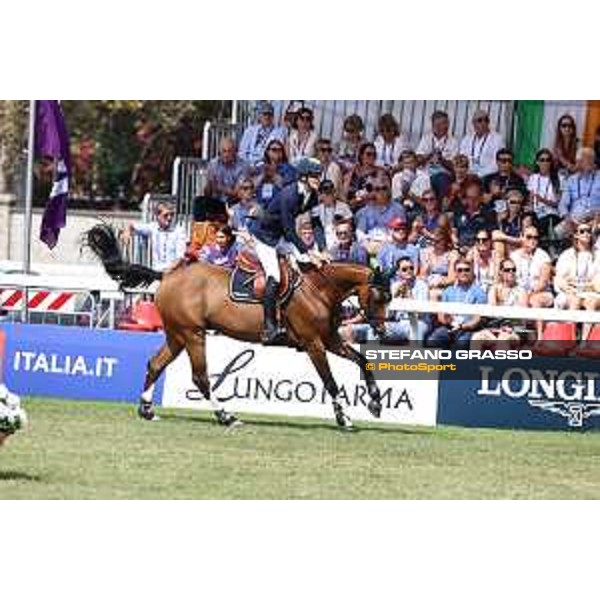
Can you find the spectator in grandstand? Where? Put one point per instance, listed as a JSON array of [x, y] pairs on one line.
[[409, 182], [356, 185], [484, 259], [330, 210], [438, 263], [482, 145], [576, 269], [331, 170], [246, 205], [353, 138], [257, 137], [223, 251], [307, 232], [224, 172], [167, 239], [397, 247], [505, 178], [389, 143], [274, 173], [302, 139], [534, 271], [504, 292], [581, 195], [565, 145], [511, 219], [544, 187], [345, 248], [428, 219], [474, 215], [453, 202], [380, 209], [458, 329]]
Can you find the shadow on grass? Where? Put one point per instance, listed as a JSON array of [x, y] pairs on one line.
[[18, 476], [325, 426]]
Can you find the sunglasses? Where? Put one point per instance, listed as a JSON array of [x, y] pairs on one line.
[[463, 270], [544, 159], [566, 126], [509, 270], [275, 149], [406, 269], [482, 120], [380, 188], [532, 237], [483, 240], [342, 233], [370, 153], [505, 159], [429, 199], [584, 230], [325, 149], [514, 202], [246, 188]]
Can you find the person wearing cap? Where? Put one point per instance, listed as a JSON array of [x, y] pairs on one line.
[[397, 246], [302, 139], [257, 137], [330, 210], [482, 145], [275, 223]]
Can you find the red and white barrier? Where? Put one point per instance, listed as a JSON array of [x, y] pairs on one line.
[[40, 301]]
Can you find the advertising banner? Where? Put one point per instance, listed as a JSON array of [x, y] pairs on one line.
[[76, 362], [273, 380]]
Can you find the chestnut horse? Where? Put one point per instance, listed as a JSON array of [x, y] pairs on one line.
[[195, 298]]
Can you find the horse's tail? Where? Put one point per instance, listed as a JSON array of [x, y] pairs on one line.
[[102, 240]]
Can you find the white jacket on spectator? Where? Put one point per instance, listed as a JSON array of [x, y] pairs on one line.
[[447, 145], [482, 152], [389, 154]]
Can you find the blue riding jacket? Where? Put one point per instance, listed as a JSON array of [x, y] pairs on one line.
[[278, 219]]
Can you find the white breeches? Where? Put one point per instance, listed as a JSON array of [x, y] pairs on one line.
[[268, 259]]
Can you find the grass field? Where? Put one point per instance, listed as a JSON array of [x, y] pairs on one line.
[[102, 451]]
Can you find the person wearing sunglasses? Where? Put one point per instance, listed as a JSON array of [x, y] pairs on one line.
[[330, 210], [355, 187], [565, 145], [485, 260], [302, 139], [505, 292], [576, 270], [246, 204], [438, 263], [224, 171], [257, 137], [274, 173], [346, 249], [331, 170], [545, 191], [482, 145], [389, 143], [510, 214], [496, 184], [534, 272], [397, 246], [458, 329], [352, 140]]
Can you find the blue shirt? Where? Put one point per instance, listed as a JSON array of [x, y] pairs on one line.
[[391, 252], [255, 140], [239, 216], [225, 175], [581, 195], [353, 254], [374, 216], [419, 290], [467, 295]]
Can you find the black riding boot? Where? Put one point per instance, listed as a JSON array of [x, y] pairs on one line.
[[271, 329]]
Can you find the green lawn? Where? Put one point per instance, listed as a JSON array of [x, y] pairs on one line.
[[102, 451]]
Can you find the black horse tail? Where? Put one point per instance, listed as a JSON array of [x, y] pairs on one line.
[[103, 242]]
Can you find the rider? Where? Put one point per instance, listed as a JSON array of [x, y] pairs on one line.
[[277, 221]]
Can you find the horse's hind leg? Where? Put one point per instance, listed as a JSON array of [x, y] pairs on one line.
[[156, 365], [196, 348], [317, 354], [345, 350]]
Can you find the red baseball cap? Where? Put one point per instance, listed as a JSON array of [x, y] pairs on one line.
[[397, 223]]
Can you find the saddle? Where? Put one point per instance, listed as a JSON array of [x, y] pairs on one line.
[[248, 281]]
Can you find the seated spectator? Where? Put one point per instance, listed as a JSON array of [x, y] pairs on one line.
[[458, 329], [330, 210], [575, 273], [474, 216], [438, 263], [302, 139], [389, 143], [345, 248], [223, 251], [565, 145], [409, 182], [307, 232], [534, 272], [246, 205], [379, 211], [485, 260], [481, 146], [581, 195], [505, 292], [353, 139], [453, 202], [397, 247], [544, 187], [167, 239], [331, 170], [224, 172], [257, 137], [428, 220], [510, 222], [504, 179], [275, 172], [356, 180]]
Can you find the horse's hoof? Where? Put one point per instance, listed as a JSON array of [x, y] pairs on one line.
[[146, 412], [342, 420], [374, 407], [227, 420]]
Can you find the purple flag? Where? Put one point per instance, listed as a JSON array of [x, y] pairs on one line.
[[52, 140]]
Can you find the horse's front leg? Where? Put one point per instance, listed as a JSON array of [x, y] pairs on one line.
[[318, 356]]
